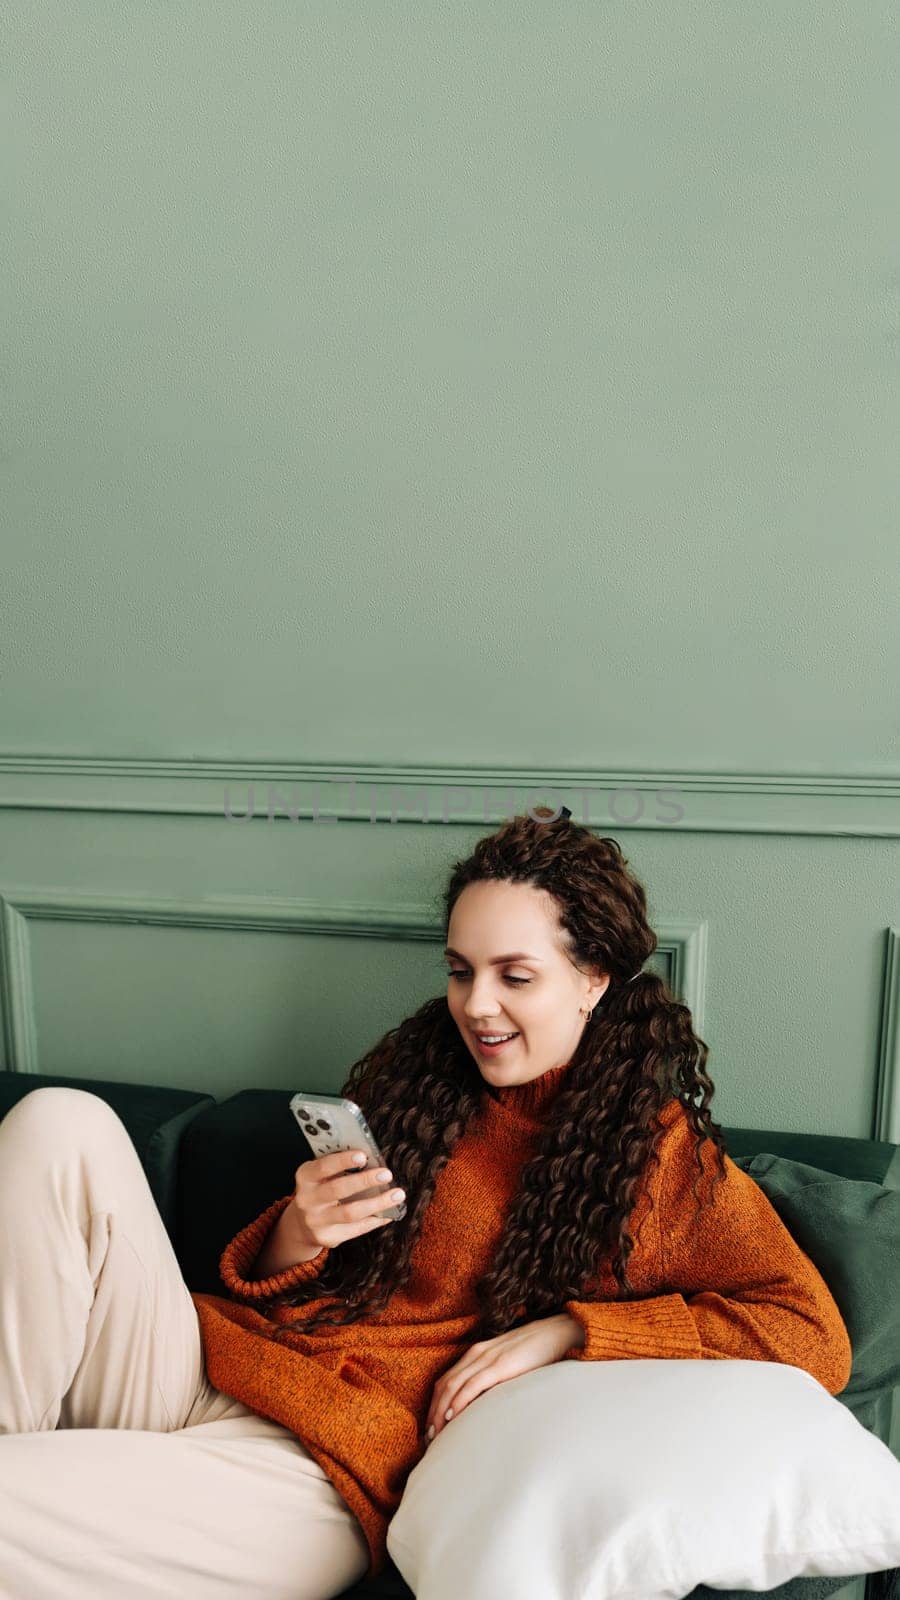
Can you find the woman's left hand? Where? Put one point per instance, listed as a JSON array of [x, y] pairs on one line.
[[533, 1344]]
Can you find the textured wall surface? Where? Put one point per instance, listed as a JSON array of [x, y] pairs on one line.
[[457, 383], [473, 386]]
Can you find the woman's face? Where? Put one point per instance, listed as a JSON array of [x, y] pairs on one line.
[[539, 996]]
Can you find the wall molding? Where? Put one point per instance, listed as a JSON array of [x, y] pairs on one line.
[[887, 1093], [682, 945], [611, 799]]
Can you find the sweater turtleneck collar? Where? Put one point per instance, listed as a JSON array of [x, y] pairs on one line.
[[528, 1102]]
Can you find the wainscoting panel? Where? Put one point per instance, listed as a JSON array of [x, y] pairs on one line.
[[228, 993], [178, 945]]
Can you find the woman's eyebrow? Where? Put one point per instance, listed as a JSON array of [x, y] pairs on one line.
[[498, 961]]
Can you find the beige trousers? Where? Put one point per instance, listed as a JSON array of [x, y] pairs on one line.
[[123, 1472]]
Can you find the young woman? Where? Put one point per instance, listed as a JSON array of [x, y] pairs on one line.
[[542, 1123]]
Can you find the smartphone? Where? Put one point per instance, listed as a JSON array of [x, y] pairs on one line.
[[329, 1122]]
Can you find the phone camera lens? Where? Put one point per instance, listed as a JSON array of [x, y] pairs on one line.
[[325, 1125]]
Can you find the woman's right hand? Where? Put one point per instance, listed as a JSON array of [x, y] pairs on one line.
[[326, 1213]]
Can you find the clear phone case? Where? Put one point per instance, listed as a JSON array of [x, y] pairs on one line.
[[330, 1122]]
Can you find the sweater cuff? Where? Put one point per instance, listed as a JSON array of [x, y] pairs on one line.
[[238, 1257], [622, 1330]]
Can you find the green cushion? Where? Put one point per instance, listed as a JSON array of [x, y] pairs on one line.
[[850, 1230], [154, 1117], [794, 1589]]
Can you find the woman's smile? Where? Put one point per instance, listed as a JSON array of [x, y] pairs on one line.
[[496, 1049]]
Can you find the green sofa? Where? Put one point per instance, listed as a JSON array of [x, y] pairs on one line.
[[213, 1166]]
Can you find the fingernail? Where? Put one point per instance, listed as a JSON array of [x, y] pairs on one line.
[[447, 1415], [431, 1433]]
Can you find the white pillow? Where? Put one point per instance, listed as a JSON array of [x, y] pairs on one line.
[[638, 1480]]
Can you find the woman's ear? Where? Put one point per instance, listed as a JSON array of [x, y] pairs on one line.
[[597, 990]]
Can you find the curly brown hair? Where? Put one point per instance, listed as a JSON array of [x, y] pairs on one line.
[[419, 1088]]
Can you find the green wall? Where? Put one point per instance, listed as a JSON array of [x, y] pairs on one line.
[[452, 397]]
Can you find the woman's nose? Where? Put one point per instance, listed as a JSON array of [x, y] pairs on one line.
[[477, 1007]]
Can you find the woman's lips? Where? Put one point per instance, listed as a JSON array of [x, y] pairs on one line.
[[495, 1049]]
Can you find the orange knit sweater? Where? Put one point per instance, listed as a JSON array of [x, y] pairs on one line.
[[731, 1284]]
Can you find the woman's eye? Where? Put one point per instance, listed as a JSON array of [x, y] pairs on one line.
[[456, 973]]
